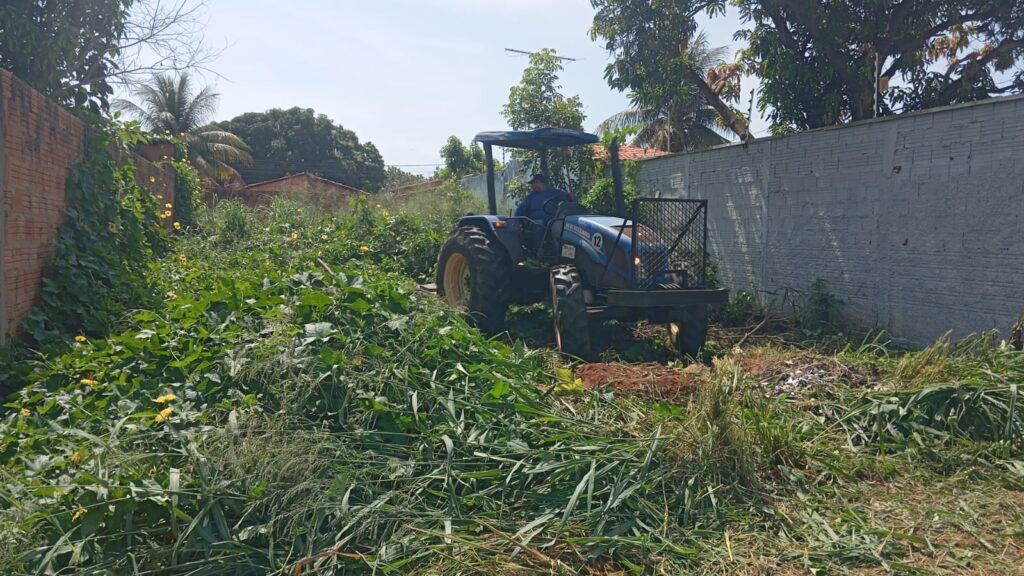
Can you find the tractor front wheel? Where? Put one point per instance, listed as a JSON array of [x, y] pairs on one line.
[[473, 275], [572, 327], [689, 335]]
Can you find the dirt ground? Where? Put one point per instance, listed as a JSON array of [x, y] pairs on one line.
[[647, 379]]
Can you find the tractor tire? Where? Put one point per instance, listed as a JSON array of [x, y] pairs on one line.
[[473, 275], [689, 335], [572, 327]]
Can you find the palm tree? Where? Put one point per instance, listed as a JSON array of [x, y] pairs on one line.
[[679, 120], [170, 106]]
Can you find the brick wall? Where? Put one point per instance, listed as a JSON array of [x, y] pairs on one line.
[[39, 141], [916, 222]]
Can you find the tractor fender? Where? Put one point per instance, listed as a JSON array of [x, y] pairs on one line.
[[508, 237]]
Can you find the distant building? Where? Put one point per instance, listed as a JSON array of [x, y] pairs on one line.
[[629, 153], [303, 187]]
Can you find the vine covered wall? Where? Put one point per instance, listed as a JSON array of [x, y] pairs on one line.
[[40, 143]]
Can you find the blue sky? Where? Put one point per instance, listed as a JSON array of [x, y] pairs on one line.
[[406, 74]]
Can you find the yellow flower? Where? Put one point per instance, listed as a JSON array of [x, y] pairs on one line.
[[168, 206], [152, 179], [25, 412], [378, 205], [77, 457], [80, 339], [171, 295], [164, 399], [79, 512], [364, 248], [323, 236], [165, 214], [164, 414], [182, 257], [387, 214], [300, 210], [177, 225], [295, 236], [88, 382], [159, 196], [112, 227]]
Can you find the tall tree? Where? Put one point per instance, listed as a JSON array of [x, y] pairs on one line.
[[460, 160], [297, 140], [76, 50], [826, 62], [677, 118], [659, 57], [170, 105], [395, 177], [537, 102], [829, 62]]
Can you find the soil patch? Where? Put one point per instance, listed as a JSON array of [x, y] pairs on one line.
[[649, 379]]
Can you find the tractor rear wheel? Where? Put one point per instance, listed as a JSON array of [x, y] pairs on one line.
[[572, 327], [472, 275], [689, 335]]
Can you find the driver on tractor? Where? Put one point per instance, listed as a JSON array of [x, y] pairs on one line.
[[539, 205]]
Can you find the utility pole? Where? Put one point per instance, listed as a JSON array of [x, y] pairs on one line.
[[527, 53]]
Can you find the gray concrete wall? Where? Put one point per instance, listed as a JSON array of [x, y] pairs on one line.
[[916, 222], [477, 185]]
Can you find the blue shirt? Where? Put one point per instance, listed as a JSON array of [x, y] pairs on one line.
[[533, 205]]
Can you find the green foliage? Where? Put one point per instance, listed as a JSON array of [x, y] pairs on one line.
[[229, 224], [678, 84], [273, 411], [296, 405], [667, 114], [42, 43], [395, 177], [976, 397], [298, 139], [170, 106], [111, 230], [817, 65], [537, 102], [188, 192], [819, 310], [460, 160]]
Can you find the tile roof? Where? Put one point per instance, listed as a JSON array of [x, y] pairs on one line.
[[307, 175], [630, 152]]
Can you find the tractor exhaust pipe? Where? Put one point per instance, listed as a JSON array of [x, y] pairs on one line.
[[620, 195]]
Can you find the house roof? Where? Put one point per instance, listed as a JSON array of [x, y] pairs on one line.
[[629, 152], [256, 186]]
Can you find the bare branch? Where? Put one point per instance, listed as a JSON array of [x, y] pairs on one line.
[[162, 36]]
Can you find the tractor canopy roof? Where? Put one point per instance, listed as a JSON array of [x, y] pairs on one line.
[[537, 139]]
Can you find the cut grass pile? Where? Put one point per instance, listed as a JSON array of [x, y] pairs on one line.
[[296, 407]]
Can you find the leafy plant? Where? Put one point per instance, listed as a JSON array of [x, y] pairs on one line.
[[111, 231]]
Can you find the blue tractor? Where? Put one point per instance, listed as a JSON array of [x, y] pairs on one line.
[[648, 264]]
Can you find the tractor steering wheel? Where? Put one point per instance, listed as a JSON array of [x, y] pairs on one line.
[[551, 206]]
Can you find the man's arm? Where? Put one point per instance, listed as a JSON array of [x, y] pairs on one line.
[[523, 207]]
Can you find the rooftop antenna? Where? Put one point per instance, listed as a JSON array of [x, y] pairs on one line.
[[528, 53]]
